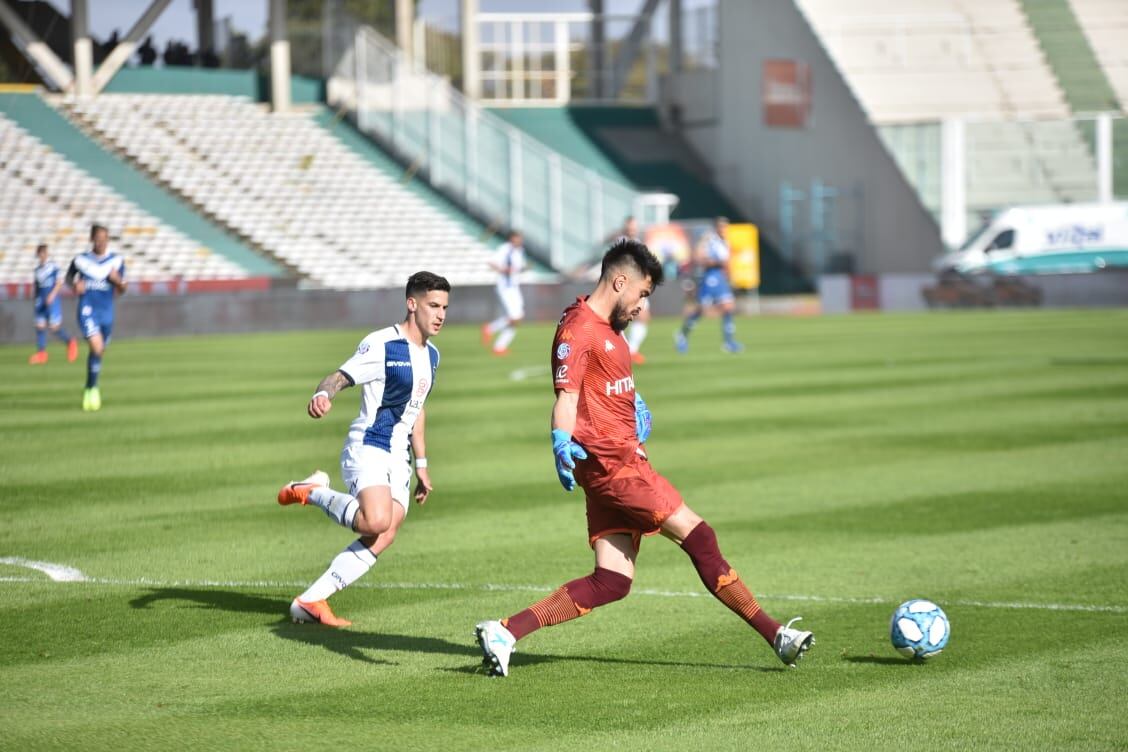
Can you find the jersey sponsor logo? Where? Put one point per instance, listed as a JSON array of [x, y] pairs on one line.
[[562, 373], [566, 335], [563, 351], [624, 385], [398, 363], [607, 346]]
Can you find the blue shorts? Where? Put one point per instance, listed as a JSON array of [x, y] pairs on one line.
[[714, 290], [48, 314], [93, 321]]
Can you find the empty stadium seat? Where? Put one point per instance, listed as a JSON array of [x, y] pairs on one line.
[[289, 186], [47, 199]]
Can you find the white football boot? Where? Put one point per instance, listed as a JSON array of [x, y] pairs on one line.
[[790, 644], [497, 645]]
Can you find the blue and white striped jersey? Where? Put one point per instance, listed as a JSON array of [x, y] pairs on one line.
[[396, 376], [46, 276], [511, 257], [94, 270]]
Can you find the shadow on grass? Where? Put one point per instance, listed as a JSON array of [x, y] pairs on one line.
[[357, 645], [225, 600], [881, 660]]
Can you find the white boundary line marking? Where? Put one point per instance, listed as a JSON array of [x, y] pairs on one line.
[[528, 372], [488, 587], [57, 572]]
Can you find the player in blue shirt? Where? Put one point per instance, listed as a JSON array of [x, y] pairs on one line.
[[395, 369], [96, 276], [49, 308], [713, 289]]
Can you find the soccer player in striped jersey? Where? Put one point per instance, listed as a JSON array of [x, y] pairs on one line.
[[49, 309], [599, 430], [713, 290], [508, 261], [96, 277], [395, 368]]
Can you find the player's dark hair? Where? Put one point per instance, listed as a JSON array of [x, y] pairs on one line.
[[423, 282], [626, 251], [40, 247], [514, 233], [94, 230]]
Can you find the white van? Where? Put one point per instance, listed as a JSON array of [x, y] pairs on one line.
[[1057, 239]]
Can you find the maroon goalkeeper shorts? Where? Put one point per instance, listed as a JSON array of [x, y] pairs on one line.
[[633, 499]]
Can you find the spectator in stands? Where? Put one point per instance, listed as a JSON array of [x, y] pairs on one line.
[[147, 52], [638, 328], [96, 276], [508, 261], [713, 290], [49, 308]]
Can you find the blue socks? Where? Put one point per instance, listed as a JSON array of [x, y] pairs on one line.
[[61, 333], [93, 368], [41, 339], [728, 327]]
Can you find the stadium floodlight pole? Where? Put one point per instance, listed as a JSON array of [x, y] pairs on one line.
[[126, 47], [279, 57], [55, 70]]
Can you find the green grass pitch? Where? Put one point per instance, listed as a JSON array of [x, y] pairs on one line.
[[847, 464]]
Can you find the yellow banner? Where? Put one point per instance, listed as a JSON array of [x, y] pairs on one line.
[[744, 256]]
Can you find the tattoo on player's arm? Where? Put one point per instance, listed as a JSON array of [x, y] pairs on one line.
[[333, 383]]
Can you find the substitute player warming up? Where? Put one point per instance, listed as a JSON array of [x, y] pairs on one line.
[[599, 429], [396, 368]]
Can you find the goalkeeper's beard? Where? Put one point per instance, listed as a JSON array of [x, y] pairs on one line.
[[620, 317]]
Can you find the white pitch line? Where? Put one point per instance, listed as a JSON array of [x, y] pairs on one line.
[[490, 587], [57, 572], [529, 372]]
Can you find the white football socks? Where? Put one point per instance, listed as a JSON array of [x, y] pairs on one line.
[[340, 507], [504, 338], [497, 325], [347, 567]]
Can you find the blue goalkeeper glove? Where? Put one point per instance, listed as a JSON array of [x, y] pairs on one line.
[[567, 452], [642, 419]]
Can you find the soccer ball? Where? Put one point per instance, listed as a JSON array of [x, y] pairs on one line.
[[919, 629]]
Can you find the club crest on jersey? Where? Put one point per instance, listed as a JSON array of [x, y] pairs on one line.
[[563, 351], [607, 346], [362, 348]]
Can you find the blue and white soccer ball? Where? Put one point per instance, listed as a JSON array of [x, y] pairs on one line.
[[919, 629]]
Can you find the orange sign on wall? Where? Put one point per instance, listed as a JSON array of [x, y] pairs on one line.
[[786, 93]]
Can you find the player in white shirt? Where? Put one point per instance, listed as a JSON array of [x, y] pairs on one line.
[[395, 367], [508, 261]]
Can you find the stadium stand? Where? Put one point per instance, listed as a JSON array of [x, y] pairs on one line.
[[923, 59], [920, 61], [1105, 25], [288, 186], [48, 199]]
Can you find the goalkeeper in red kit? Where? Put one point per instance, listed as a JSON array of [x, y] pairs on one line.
[[599, 429]]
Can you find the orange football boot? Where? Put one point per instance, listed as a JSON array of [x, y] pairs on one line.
[[315, 612], [501, 353], [72, 351], [38, 359], [638, 358], [297, 491], [487, 338]]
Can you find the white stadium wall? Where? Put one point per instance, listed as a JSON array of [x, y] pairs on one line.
[[881, 221]]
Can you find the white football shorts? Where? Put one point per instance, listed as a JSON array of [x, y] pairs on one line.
[[364, 466], [512, 302]]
